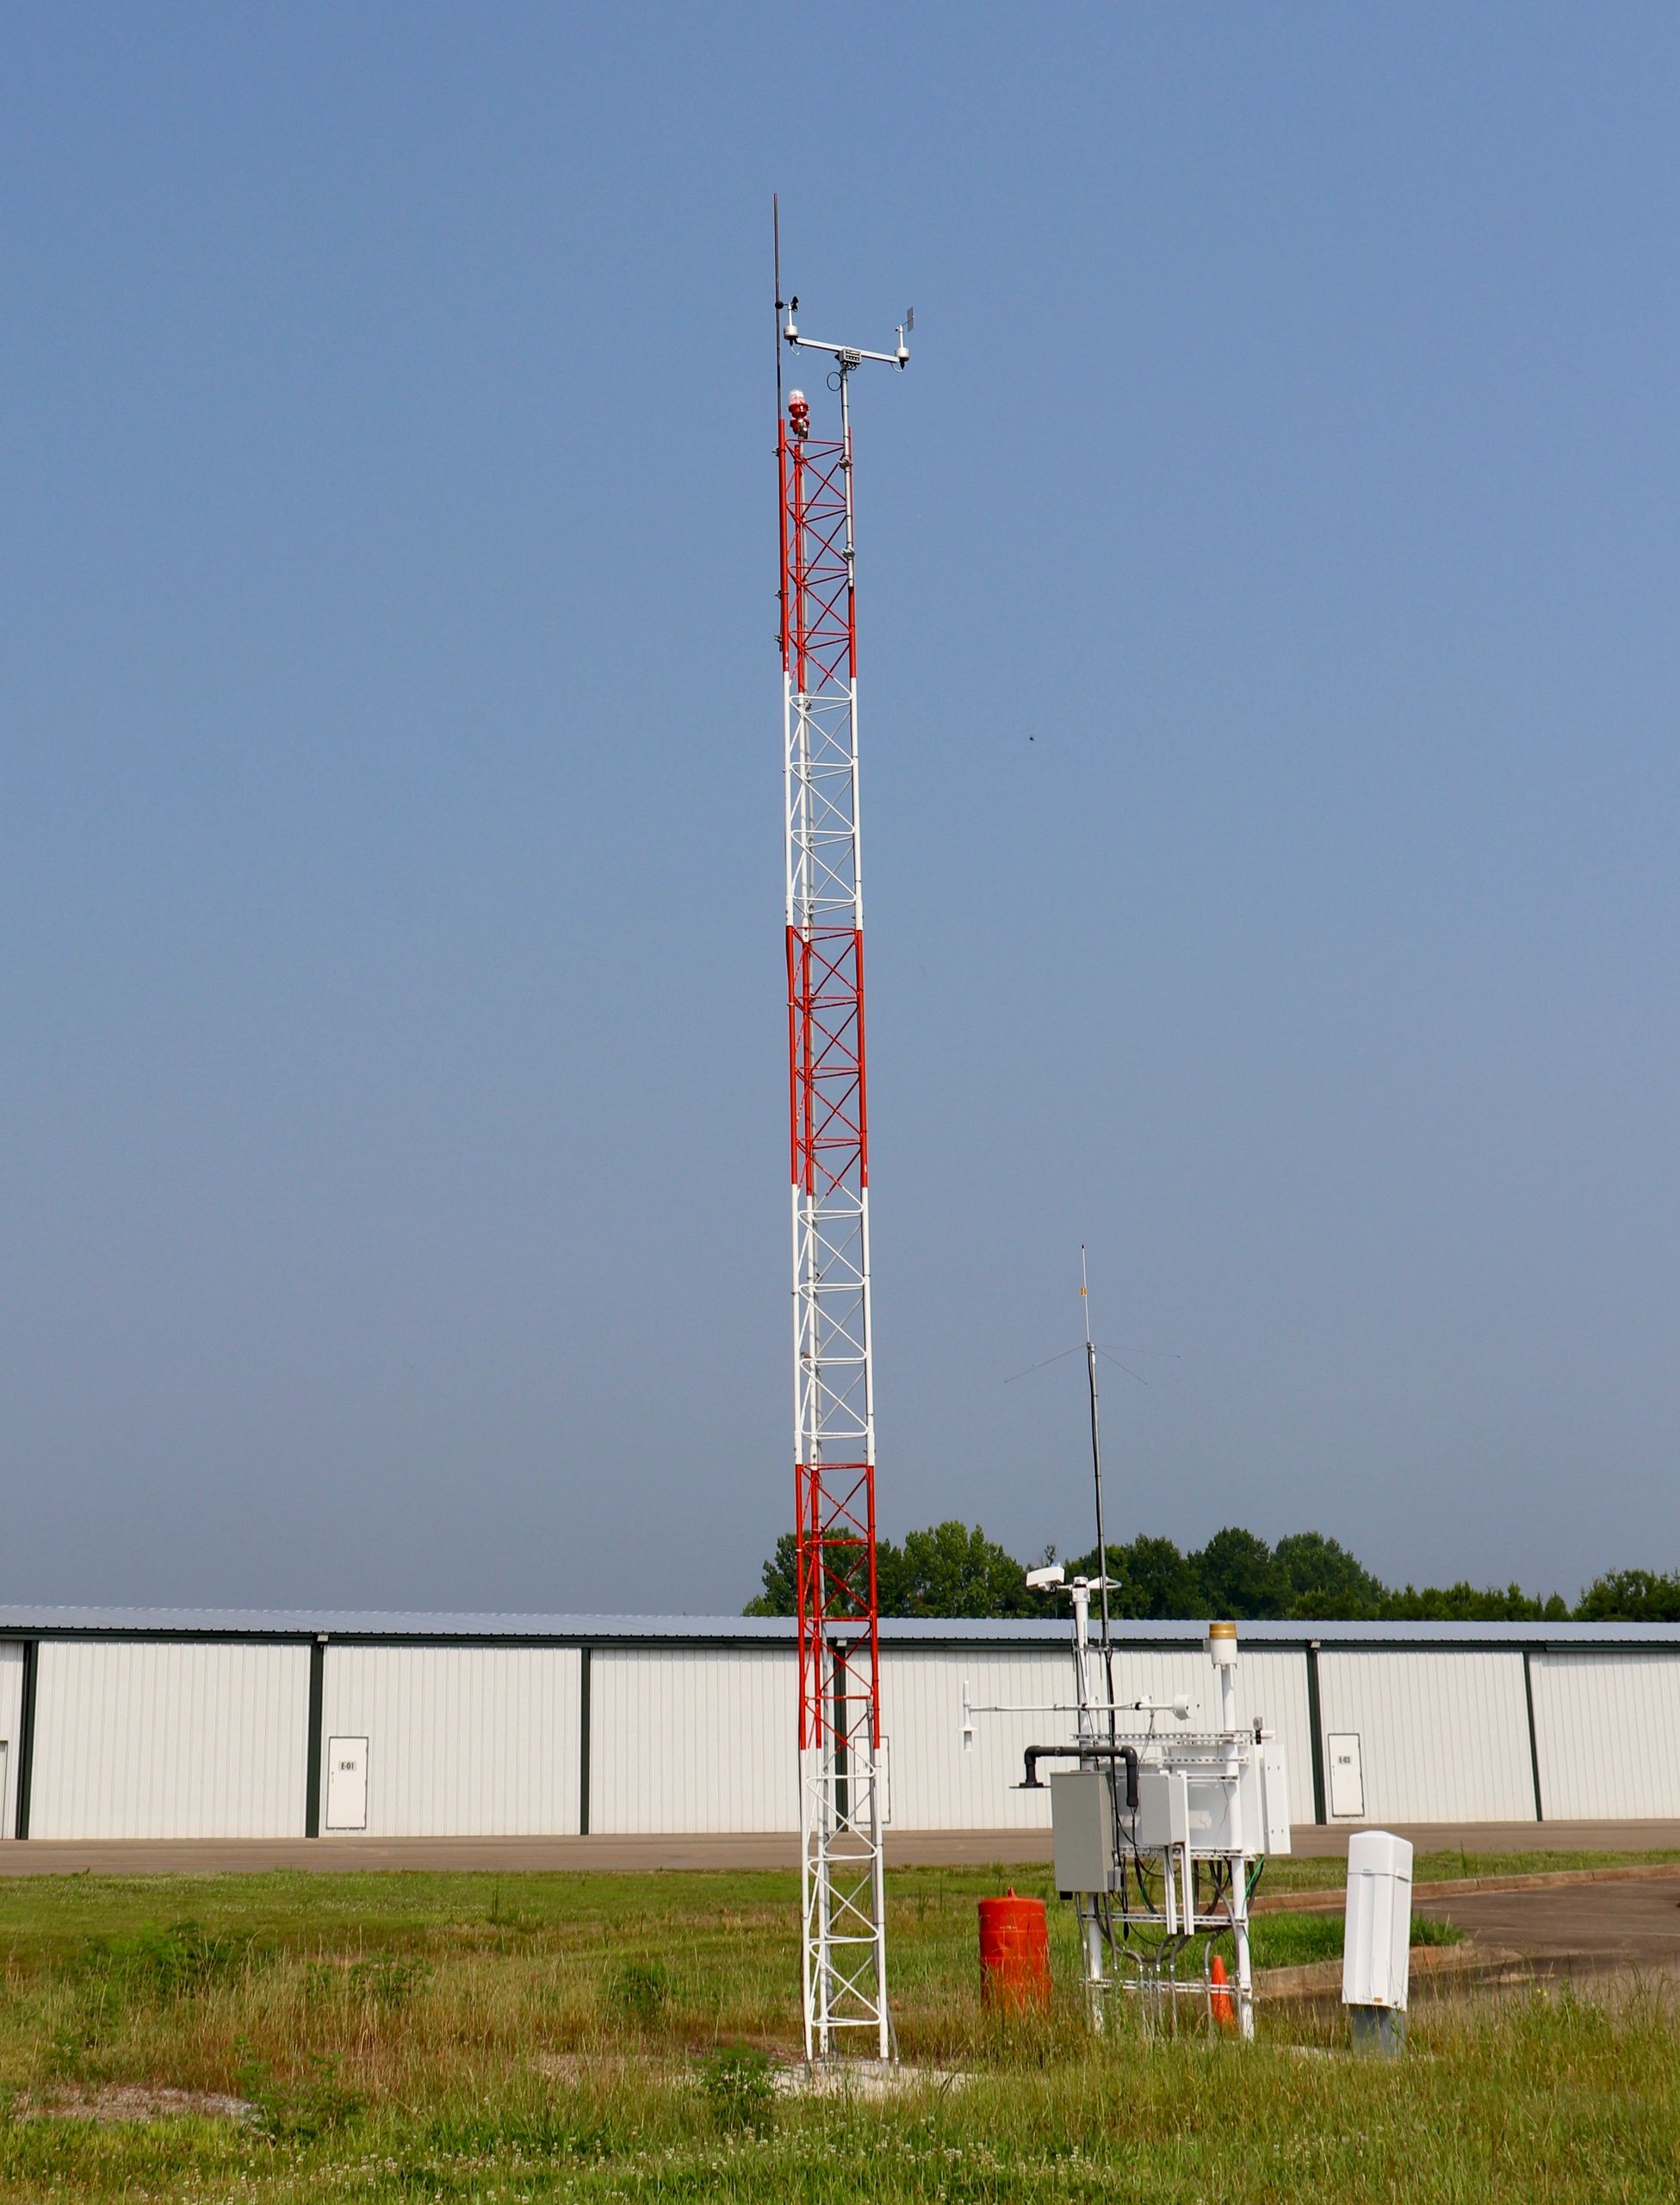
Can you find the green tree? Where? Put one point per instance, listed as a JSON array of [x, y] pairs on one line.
[[781, 1587], [1463, 1603], [1324, 1581], [950, 1570], [953, 1569], [1631, 1596], [1152, 1580], [1240, 1577]]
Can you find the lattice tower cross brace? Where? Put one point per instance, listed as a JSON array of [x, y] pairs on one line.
[[843, 1898]]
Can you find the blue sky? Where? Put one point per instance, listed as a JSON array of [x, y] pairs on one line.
[[392, 1112]]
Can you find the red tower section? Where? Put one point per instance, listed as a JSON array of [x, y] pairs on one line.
[[840, 1727]]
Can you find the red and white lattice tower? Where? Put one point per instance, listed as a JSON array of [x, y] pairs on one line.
[[841, 1776]]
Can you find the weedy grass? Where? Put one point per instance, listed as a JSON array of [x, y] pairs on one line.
[[1297, 1873], [399, 2036]]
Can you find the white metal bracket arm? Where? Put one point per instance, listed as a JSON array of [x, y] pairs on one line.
[[849, 356]]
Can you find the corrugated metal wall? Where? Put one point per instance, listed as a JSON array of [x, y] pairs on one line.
[[693, 1740], [1443, 1737], [1268, 1685], [463, 1741], [1608, 1726], [1272, 1685], [159, 1737], [936, 1786], [149, 1739], [11, 1733]]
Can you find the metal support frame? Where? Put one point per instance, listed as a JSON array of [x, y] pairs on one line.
[[843, 1886], [1172, 1918], [844, 1936], [1134, 1930]]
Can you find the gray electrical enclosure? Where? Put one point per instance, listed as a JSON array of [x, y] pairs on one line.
[[1081, 1823]]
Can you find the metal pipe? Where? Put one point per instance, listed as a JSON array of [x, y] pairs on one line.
[[1034, 1754]]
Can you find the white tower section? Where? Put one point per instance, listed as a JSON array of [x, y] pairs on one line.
[[841, 1805]]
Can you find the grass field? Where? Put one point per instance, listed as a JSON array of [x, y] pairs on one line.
[[1299, 1874], [462, 2037]]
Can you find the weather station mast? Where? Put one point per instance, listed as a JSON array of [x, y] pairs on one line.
[[841, 1763]]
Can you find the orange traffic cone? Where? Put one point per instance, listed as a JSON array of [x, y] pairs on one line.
[[1219, 2001]]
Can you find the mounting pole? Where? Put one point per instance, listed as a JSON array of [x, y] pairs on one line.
[[1096, 1476], [840, 1779]]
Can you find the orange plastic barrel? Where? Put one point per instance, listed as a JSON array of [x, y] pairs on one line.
[[1014, 1951]]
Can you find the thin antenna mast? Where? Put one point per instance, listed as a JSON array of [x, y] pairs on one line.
[[842, 1778], [776, 250], [1096, 1476], [781, 417]]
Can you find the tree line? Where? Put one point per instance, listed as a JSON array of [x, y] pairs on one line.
[[953, 1570]]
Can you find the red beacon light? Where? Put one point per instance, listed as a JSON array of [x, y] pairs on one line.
[[799, 415]]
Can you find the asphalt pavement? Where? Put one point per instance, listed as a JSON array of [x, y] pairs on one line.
[[1575, 1929]]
